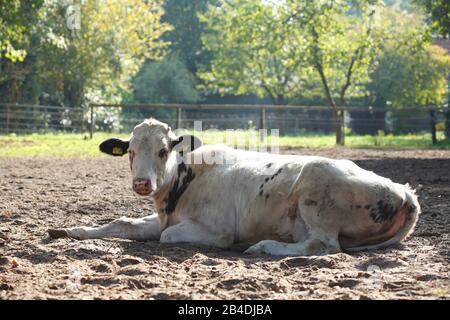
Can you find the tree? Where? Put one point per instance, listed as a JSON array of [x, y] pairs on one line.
[[115, 39], [165, 81], [98, 61], [408, 78], [342, 47], [439, 13], [16, 19], [279, 49], [185, 38]]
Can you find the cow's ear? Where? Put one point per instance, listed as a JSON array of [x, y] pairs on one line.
[[114, 146], [186, 144]]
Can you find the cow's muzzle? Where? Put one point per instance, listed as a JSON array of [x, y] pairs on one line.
[[142, 186]]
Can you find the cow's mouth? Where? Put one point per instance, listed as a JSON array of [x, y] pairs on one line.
[[143, 192], [142, 186]]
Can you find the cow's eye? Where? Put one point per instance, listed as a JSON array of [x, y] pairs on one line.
[[162, 153]]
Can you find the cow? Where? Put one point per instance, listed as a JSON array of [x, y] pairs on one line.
[[278, 204]]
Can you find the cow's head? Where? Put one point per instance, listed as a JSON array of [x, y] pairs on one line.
[[154, 152]]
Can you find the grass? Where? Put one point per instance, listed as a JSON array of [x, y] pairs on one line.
[[77, 145], [52, 145]]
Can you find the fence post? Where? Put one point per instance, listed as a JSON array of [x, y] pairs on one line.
[[45, 120], [8, 110], [433, 126], [343, 126], [178, 122], [81, 120], [91, 134], [262, 123]]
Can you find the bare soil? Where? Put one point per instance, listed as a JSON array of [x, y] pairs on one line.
[[37, 194]]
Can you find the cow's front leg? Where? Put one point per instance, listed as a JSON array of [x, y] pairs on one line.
[[141, 229], [193, 232]]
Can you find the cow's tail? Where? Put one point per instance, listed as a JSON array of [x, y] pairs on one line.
[[403, 224]]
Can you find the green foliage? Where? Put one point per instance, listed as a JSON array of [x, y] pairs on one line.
[[408, 78], [165, 81], [409, 71], [184, 39], [16, 20], [439, 13], [254, 50], [93, 64], [281, 49]]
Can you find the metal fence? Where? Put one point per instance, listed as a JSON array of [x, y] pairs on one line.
[[25, 118], [290, 120]]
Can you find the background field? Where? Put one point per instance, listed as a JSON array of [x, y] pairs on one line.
[[77, 145]]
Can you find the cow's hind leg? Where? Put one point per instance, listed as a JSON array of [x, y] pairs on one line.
[[193, 232], [319, 245], [141, 229]]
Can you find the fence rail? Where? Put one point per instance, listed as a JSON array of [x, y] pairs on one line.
[[427, 121], [291, 119], [27, 118]]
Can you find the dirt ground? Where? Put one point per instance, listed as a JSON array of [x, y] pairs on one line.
[[37, 194]]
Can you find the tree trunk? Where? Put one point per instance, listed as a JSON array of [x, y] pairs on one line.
[[338, 115], [340, 135], [447, 124]]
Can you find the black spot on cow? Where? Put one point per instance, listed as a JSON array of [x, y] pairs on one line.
[[383, 212], [261, 186], [276, 173], [184, 178], [310, 202], [269, 165], [266, 179]]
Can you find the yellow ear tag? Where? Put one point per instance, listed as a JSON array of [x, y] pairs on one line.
[[117, 150]]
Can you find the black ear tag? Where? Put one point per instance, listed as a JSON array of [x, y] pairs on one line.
[[115, 147]]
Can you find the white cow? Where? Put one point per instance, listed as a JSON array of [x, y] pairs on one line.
[[281, 204]]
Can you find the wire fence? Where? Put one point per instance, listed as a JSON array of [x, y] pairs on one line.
[[24, 118], [289, 120]]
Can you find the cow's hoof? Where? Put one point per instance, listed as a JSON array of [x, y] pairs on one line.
[[255, 249], [57, 233]]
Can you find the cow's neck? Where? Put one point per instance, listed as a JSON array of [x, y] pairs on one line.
[[179, 178]]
